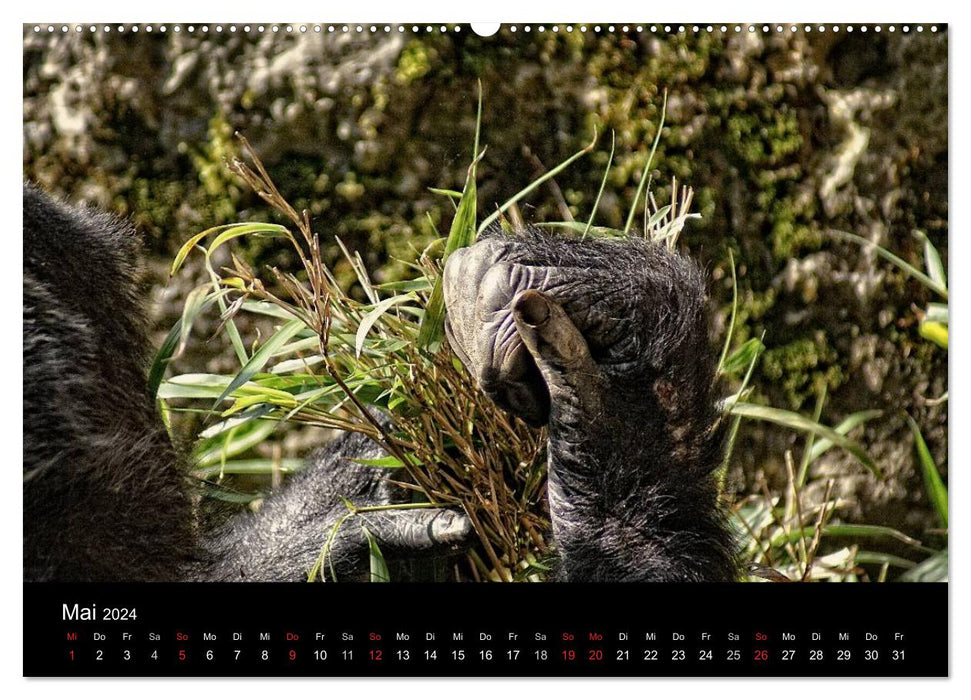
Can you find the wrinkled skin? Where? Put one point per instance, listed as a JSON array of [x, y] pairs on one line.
[[607, 343]]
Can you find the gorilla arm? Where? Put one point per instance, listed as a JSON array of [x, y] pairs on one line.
[[606, 342]]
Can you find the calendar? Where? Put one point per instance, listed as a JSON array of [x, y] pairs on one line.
[[558, 630], [567, 349]]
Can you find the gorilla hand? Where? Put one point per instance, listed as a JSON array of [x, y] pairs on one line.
[[606, 342]]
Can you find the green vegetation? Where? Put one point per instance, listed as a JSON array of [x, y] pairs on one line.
[[756, 124], [331, 359]]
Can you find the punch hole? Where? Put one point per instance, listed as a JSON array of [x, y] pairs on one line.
[[485, 28]]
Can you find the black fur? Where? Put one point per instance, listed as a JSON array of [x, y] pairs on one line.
[[106, 497], [631, 487], [632, 490], [103, 498]]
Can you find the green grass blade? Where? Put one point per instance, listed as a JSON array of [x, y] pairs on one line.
[[647, 166], [536, 183], [192, 243], [795, 421], [843, 428], [932, 260], [806, 460], [228, 323], [933, 484], [865, 557], [934, 332], [603, 184], [934, 568], [742, 358], [227, 232], [460, 235], [892, 259], [581, 228], [731, 320], [258, 230], [848, 530], [453, 194]]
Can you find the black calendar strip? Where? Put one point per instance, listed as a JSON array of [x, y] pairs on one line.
[[490, 630]]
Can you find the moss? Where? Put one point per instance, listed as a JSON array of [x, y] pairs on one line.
[[802, 368], [415, 62], [766, 137]]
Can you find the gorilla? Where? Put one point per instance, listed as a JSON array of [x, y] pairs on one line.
[[603, 341]]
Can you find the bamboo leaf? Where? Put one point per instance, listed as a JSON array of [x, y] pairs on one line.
[[379, 567], [388, 462], [266, 308], [197, 302], [937, 313], [261, 357], [253, 467], [416, 285], [461, 234], [234, 437], [893, 259], [372, 316]]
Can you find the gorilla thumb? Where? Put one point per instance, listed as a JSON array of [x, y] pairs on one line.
[[561, 353]]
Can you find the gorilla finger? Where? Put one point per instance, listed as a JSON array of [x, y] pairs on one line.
[[420, 532], [559, 349]]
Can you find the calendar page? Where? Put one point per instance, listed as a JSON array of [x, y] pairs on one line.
[[613, 349]]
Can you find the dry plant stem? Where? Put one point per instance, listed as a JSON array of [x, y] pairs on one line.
[[554, 188], [795, 509], [781, 522], [818, 533]]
